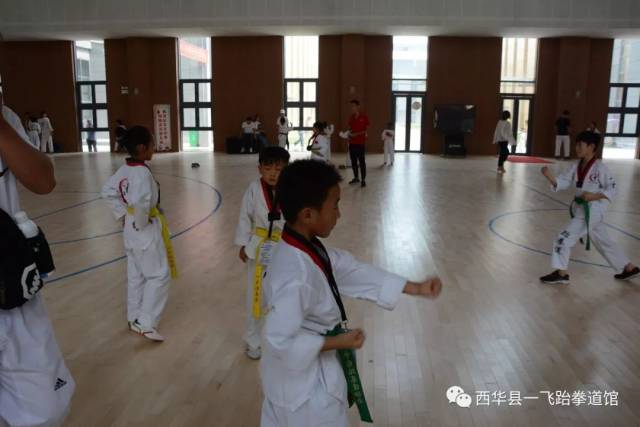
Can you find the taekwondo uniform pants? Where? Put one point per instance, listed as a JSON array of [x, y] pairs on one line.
[[577, 228], [149, 276]]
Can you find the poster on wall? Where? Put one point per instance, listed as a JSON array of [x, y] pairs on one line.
[[162, 126]]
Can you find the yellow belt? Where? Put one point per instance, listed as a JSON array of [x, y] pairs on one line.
[[166, 238], [263, 233]]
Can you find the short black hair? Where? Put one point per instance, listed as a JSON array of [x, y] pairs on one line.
[[354, 102], [135, 136], [305, 184], [273, 154], [589, 138], [506, 115], [321, 126]]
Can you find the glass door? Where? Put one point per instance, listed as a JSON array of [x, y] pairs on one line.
[[408, 114], [92, 114], [521, 109]]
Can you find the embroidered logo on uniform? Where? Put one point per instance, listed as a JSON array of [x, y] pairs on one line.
[[30, 281], [123, 187], [565, 234], [59, 384], [593, 177]]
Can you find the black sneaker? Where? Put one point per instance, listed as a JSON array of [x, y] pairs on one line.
[[363, 184], [555, 278], [626, 275], [354, 181]]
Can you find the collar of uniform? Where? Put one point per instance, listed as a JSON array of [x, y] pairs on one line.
[[134, 162]]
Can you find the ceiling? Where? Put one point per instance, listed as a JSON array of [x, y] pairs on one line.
[[100, 19]]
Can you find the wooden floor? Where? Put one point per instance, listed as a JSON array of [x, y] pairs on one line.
[[495, 328]]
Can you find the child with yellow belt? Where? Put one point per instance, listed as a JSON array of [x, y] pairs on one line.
[[259, 227], [134, 194]]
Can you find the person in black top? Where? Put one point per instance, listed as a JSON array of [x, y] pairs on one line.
[[120, 130], [562, 135]]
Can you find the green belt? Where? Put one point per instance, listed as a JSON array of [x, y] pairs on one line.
[[581, 202], [355, 393]]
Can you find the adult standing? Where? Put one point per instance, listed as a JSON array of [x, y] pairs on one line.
[[46, 129], [563, 126], [35, 385], [283, 130], [358, 124], [503, 137]]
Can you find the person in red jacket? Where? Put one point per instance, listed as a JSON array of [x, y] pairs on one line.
[[358, 124]]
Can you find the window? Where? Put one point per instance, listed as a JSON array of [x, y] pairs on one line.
[[519, 60], [196, 107], [91, 94], [409, 64], [301, 87], [517, 86], [409, 86], [621, 129]]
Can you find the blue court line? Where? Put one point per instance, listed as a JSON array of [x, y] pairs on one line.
[[493, 220], [98, 236], [86, 202], [120, 258], [81, 239], [626, 233]]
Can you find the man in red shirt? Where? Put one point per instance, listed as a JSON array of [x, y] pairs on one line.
[[358, 123]]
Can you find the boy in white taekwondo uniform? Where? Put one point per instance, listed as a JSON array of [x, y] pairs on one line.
[[35, 385], [133, 193], [388, 135], [595, 189], [303, 376], [320, 144], [259, 227]]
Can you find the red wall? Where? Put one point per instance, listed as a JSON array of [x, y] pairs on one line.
[[38, 76], [355, 66], [573, 74], [148, 67], [248, 75], [464, 70]]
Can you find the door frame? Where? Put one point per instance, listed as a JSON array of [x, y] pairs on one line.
[[94, 107], [409, 95], [516, 97]]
